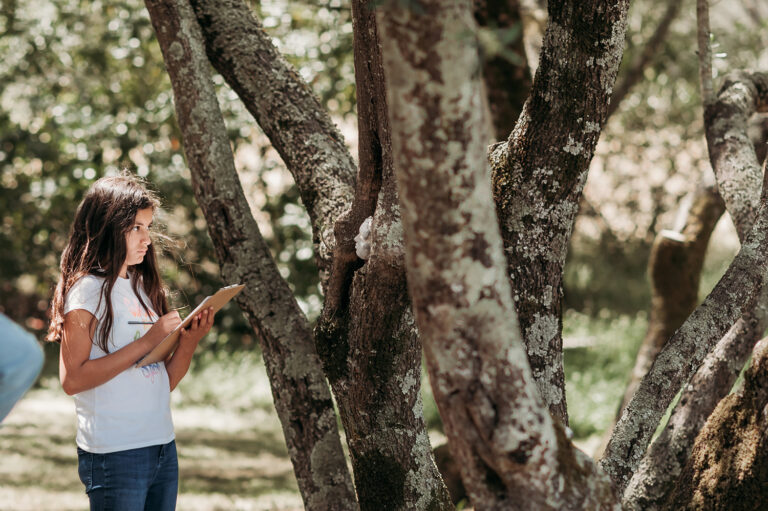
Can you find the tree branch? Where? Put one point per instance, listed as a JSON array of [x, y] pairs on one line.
[[301, 394], [703, 35], [651, 48], [286, 109], [539, 172]]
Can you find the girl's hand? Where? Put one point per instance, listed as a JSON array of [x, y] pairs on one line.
[[163, 326], [201, 324]]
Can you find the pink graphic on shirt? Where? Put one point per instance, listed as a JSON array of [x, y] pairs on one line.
[[151, 371]]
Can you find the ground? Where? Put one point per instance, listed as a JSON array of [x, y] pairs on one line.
[[228, 460]]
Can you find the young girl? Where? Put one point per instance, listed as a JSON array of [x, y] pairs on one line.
[[109, 286]]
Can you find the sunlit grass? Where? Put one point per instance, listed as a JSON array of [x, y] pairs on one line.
[[597, 373]]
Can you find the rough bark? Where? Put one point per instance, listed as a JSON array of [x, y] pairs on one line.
[[286, 110], [730, 148], [728, 467], [507, 81], [735, 293], [539, 172], [738, 173], [366, 334], [513, 455], [301, 395]]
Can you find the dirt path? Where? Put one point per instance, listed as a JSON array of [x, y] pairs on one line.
[[227, 460]]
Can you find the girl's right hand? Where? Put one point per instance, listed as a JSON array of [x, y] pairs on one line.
[[163, 326]]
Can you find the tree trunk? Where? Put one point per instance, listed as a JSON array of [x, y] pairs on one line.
[[302, 398], [366, 334], [539, 173], [512, 454], [728, 468]]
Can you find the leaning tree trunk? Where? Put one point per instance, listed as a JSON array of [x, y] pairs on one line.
[[301, 395], [365, 338], [728, 467], [539, 172], [512, 453]]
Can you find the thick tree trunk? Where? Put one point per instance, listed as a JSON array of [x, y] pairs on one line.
[[363, 361], [539, 173], [728, 467], [366, 334], [512, 454], [302, 398], [287, 111], [732, 158]]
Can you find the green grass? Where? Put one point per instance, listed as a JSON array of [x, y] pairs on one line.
[[596, 375]]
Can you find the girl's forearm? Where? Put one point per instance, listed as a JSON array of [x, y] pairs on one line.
[[94, 372], [178, 365]]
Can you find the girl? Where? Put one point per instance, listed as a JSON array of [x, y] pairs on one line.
[[109, 285]]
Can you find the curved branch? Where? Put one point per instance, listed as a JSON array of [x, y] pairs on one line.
[[736, 168], [287, 111], [301, 394]]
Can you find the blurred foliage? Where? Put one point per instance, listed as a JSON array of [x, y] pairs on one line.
[[85, 94]]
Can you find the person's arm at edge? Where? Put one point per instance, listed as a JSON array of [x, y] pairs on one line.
[[178, 363], [78, 373]]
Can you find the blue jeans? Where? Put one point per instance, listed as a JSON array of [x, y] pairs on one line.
[[144, 479], [20, 362]]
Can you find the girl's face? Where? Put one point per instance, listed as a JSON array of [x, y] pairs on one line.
[[137, 240]]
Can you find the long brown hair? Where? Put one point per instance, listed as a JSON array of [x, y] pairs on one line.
[[97, 247]]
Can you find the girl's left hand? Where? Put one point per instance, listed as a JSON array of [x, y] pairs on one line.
[[200, 325]]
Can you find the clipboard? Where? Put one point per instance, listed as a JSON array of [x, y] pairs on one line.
[[167, 345]]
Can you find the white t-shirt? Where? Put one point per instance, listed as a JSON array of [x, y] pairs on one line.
[[133, 409]]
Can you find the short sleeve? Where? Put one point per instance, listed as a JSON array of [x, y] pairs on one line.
[[86, 294]]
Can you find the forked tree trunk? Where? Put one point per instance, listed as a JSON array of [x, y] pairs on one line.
[[366, 335], [365, 338], [301, 394], [513, 455]]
